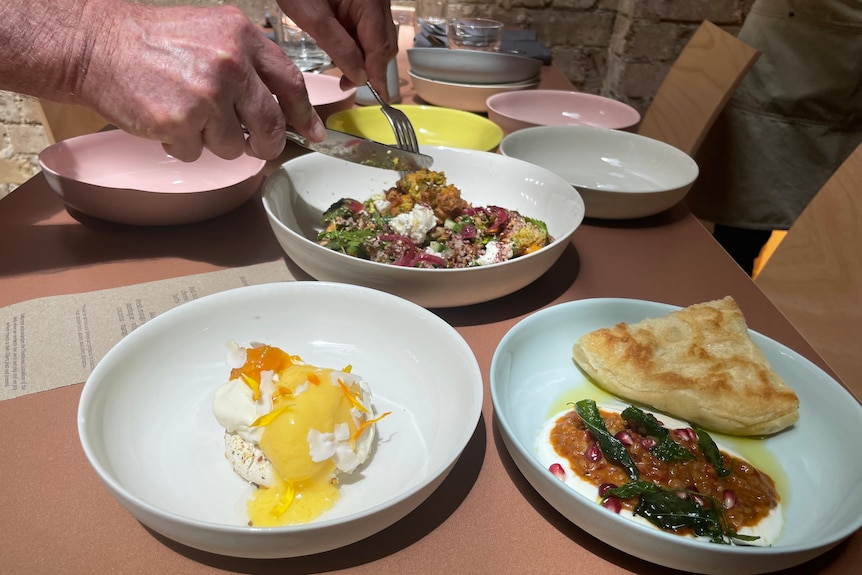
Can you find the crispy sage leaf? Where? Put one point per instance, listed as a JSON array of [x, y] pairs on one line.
[[611, 447], [711, 452], [665, 449], [665, 509]]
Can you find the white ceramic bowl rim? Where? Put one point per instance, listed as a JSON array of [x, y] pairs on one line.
[[523, 83], [153, 325], [393, 269], [603, 141]]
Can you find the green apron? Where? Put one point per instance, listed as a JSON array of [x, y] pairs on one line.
[[792, 121]]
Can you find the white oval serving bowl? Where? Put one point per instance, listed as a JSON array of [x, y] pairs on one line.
[[462, 96], [533, 374], [146, 424], [122, 178], [472, 66], [620, 175], [524, 109], [296, 195]]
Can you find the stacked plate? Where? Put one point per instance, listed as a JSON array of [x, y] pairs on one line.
[[464, 79]]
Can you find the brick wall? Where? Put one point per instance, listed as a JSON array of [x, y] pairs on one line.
[[617, 48]]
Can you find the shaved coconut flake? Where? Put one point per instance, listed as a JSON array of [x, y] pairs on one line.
[[321, 446]]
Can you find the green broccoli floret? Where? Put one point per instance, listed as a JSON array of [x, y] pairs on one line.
[[529, 235]]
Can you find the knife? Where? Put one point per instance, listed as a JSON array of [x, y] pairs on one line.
[[366, 152]]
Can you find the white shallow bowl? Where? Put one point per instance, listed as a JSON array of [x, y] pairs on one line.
[[620, 175], [146, 424], [533, 376], [122, 178], [524, 109], [296, 196], [472, 66], [326, 95], [461, 96]]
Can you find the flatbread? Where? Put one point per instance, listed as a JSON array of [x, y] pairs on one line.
[[698, 364]]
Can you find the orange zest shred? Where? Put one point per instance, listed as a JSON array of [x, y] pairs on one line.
[[347, 368], [285, 500], [352, 398], [312, 377], [268, 418], [366, 423], [253, 384]]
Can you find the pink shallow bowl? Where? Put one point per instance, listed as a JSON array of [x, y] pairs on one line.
[[518, 110], [122, 178], [326, 95]]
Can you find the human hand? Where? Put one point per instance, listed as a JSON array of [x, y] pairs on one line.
[[359, 35], [192, 78]]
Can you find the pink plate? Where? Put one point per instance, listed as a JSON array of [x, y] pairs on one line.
[[122, 178], [326, 94], [517, 110]]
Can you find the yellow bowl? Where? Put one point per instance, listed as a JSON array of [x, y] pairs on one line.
[[434, 126]]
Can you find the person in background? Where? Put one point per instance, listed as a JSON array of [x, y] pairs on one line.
[[188, 77], [791, 123]]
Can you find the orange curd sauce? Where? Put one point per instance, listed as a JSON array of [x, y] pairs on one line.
[[304, 398]]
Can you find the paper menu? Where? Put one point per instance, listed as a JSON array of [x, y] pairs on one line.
[[56, 341]]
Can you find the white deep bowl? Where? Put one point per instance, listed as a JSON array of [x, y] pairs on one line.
[[619, 174], [819, 464], [472, 66], [296, 195], [145, 418]]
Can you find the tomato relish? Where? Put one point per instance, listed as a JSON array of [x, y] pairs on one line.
[[746, 494]]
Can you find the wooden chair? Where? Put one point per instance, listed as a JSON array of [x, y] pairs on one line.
[[815, 274], [62, 121], [697, 87]]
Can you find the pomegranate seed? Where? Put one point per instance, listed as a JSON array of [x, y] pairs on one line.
[[648, 442], [625, 437], [682, 495], [605, 487], [593, 453], [686, 434], [612, 504], [728, 499], [558, 471], [701, 501]]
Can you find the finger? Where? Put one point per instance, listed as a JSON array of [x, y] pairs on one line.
[[377, 36], [187, 149], [285, 80], [225, 138]]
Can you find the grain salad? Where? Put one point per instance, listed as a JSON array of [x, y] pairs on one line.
[[424, 222]]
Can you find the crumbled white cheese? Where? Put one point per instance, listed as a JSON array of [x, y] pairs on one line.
[[415, 223], [380, 203], [490, 255]]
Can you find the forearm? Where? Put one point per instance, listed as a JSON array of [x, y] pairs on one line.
[[48, 45]]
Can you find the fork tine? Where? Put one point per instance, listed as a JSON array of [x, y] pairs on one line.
[[405, 135]]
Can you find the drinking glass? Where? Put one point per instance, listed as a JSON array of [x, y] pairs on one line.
[[432, 12], [300, 46], [475, 34]]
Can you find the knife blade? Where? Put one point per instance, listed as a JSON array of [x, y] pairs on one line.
[[366, 152]]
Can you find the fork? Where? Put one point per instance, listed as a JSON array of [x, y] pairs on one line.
[[405, 136]]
